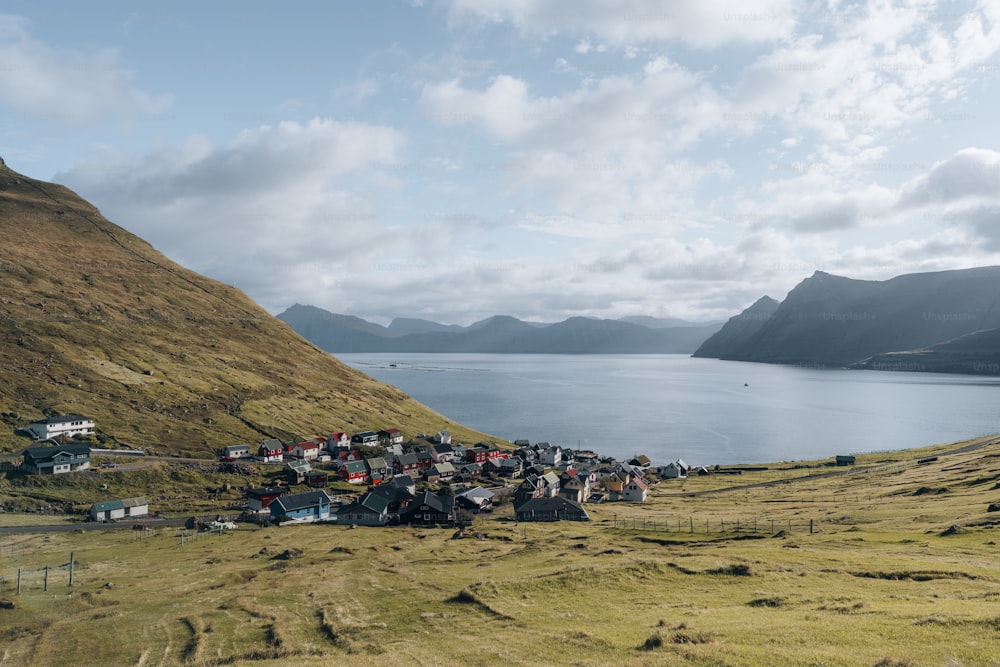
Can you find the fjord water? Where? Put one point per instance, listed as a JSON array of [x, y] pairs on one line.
[[705, 411]]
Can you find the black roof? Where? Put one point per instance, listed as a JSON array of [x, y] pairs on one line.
[[302, 500], [442, 504], [46, 453], [62, 419]]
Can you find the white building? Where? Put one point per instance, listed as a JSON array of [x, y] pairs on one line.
[[64, 425]]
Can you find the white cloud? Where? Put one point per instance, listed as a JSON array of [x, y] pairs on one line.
[[277, 211], [704, 24], [69, 87]]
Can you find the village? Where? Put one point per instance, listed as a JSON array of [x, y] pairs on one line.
[[422, 480]]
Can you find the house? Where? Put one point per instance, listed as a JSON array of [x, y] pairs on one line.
[[550, 484], [674, 470], [338, 441], [406, 464], [510, 467], [307, 450], [271, 451], [56, 460], [317, 479], [443, 437], [378, 469], [397, 497], [615, 483], [522, 443], [355, 472], [443, 454], [365, 439], [113, 510], [551, 456], [843, 460], [530, 488], [297, 470], [301, 507], [424, 461], [61, 425], [551, 509], [346, 455], [259, 499], [429, 509], [404, 482], [233, 452], [370, 510], [640, 461], [440, 471], [574, 488], [635, 491], [390, 437], [475, 499]]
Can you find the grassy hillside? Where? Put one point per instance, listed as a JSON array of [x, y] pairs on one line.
[[900, 568], [94, 320]]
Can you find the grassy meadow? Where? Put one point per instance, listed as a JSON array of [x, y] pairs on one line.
[[901, 567]]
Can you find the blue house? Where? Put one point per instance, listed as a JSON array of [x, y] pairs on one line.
[[301, 507]]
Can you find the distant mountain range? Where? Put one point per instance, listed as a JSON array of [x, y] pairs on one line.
[[947, 321], [499, 334]]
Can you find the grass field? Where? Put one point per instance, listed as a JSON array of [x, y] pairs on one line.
[[901, 567]]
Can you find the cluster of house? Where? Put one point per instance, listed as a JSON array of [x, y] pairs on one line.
[[555, 483]]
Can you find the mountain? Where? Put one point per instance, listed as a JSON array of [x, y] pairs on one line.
[[500, 334], [662, 322], [832, 320], [402, 326], [739, 329], [976, 353], [93, 320]]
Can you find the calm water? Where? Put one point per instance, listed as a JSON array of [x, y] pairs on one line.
[[702, 410]]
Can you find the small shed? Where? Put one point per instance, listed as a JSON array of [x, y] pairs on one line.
[[845, 460], [113, 510]]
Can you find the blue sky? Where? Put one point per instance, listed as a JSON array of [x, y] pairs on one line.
[[455, 159]]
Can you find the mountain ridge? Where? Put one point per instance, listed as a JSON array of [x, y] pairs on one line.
[[832, 320], [499, 334]]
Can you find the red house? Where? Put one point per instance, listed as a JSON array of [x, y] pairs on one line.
[[355, 472], [259, 499], [271, 451]]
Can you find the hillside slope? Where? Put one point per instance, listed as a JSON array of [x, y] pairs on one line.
[[94, 320]]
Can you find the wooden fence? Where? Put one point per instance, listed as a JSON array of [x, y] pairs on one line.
[[691, 524]]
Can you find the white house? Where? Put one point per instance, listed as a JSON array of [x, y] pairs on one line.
[[635, 491], [64, 425], [112, 510], [674, 470], [552, 456]]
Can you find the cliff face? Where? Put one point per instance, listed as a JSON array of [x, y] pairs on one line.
[[832, 320], [93, 320], [739, 330]]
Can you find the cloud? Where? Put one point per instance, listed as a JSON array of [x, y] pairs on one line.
[[68, 87], [279, 211], [704, 24], [970, 174]]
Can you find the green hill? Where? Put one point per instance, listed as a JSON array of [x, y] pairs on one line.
[[94, 320]]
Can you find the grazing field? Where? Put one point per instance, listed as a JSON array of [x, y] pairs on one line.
[[901, 566]]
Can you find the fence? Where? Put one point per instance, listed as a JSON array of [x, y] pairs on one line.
[[25, 579], [719, 525]]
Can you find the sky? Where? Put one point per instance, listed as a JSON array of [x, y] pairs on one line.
[[457, 159]]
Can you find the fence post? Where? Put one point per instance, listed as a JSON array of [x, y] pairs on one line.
[[810, 526], [72, 563], [45, 586], [18, 581], [692, 524]]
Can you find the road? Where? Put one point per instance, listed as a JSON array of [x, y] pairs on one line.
[[89, 525]]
